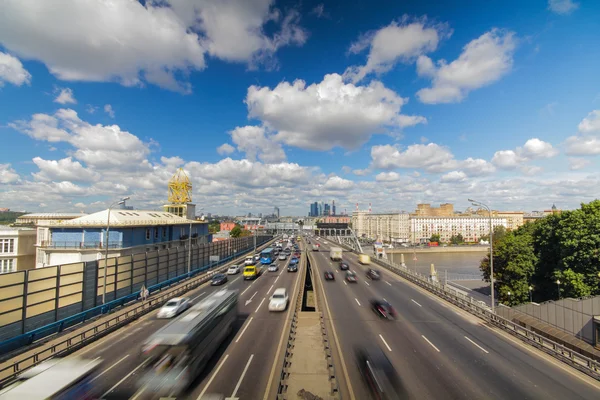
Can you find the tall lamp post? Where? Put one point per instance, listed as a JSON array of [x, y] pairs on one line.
[[530, 295], [479, 204], [558, 287], [118, 202]]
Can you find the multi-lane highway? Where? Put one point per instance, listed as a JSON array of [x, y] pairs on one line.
[[241, 368], [438, 350]]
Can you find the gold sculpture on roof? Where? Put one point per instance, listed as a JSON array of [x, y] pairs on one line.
[[180, 188]]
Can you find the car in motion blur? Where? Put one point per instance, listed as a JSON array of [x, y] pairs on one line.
[[373, 274], [329, 276], [273, 268], [234, 269], [383, 309], [173, 307], [379, 375], [218, 279], [344, 266], [279, 300], [351, 277]]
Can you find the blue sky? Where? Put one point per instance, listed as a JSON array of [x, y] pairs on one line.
[[400, 102]]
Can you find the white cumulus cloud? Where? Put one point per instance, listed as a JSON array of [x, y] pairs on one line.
[[532, 149], [12, 71], [256, 142], [400, 41], [63, 170], [483, 61], [109, 110], [576, 163], [454, 176], [327, 114], [225, 149], [587, 141], [7, 174], [65, 96], [562, 7]]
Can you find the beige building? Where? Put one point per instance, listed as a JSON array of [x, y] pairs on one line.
[[471, 228], [17, 249], [425, 210], [393, 227], [514, 219]]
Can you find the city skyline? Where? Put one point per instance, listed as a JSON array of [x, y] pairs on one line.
[[279, 112]]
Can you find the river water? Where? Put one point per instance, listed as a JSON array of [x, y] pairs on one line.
[[457, 264]]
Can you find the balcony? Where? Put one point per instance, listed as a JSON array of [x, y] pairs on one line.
[[83, 245]]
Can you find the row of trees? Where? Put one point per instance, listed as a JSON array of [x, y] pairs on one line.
[[454, 239], [560, 247]]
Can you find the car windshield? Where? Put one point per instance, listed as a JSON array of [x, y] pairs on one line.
[[219, 276], [250, 269], [278, 297], [172, 303], [350, 273]]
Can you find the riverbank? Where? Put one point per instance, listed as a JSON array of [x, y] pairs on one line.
[[449, 249]]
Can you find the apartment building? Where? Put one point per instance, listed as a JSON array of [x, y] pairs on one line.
[[471, 228], [17, 249], [425, 210], [393, 227]]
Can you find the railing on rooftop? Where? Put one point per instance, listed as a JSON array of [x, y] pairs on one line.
[[83, 245]]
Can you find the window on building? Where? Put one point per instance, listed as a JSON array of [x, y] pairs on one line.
[[155, 233], [147, 233], [7, 266], [7, 245], [164, 235]]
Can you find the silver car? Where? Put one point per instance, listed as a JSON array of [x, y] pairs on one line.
[[173, 307]]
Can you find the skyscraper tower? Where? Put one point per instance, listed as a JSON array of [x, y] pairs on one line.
[[332, 207]]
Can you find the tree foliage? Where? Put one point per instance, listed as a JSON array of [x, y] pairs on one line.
[[561, 246], [236, 231], [457, 239], [214, 226], [435, 238]]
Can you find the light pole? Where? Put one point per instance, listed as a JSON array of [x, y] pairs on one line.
[[118, 202], [530, 296], [190, 250], [509, 302], [479, 204], [558, 286]]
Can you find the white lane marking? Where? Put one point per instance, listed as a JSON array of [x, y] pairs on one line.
[[480, 348], [367, 283], [237, 387], [212, 377], [384, 342], [357, 302], [109, 368], [336, 271], [345, 283], [234, 280], [262, 301], [245, 290], [253, 295], [270, 289], [201, 294], [276, 279], [243, 330], [388, 283], [432, 345], [416, 303], [125, 377]]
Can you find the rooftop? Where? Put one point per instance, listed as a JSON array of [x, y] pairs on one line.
[[51, 215], [120, 217], [14, 228]]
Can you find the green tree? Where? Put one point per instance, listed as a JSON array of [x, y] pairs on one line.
[[435, 238], [499, 233], [214, 226], [236, 231], [514, 265], [245, 233], [457, 239]]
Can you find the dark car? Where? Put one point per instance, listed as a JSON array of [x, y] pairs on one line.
[[297, 254], [344, 266], [294, 261], [351, 277], [383, 309], [329, 276], [218, 279], [373, 274], [292, 268], [382, 380]]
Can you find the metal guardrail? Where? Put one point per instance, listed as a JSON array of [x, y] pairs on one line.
[[96, 331], [468, 303]]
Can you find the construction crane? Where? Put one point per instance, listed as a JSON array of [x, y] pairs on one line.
[[180, 188]]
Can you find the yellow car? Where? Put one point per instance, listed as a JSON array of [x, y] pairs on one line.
[[251, 272]]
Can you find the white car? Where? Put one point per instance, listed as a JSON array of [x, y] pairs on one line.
[[282, 256], [273, 268], [257, 257], [249, 261], [173, 307], [234, 269], [279, 300]]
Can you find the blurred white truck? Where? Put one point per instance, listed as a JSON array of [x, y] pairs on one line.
[[335, 253]]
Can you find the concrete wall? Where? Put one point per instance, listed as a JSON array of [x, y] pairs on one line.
[[439, 249]]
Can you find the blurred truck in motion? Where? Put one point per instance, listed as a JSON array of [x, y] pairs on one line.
[[335, 254], [364, 259]]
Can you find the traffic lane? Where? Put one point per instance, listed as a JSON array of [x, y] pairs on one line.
[[493, 362], [413, 361], [130, 343], [243, 365]]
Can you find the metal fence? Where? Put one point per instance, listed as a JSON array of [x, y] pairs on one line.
[[479, 309], [43, 301]]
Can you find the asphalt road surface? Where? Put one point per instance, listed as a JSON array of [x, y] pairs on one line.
[[240, 368], [438, 350]]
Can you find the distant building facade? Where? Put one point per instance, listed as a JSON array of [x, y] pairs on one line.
[[34, 219], [17, 249], [227, 226], [392, 227], [425, 210], [84, 238], [471, 228], [335, 219]]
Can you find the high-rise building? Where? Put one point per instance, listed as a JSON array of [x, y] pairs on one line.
[[320, 209], [333, 207], [326, 209], [276, 211], [314, 209], [259, 215]]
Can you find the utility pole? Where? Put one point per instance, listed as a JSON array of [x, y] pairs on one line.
[[119, 202], [190, 251], [479, 204]]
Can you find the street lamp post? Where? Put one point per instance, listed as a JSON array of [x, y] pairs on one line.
[[479, 204], [530, 295], [119, 202], [190, 251], [509, 302], [558, 287]]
